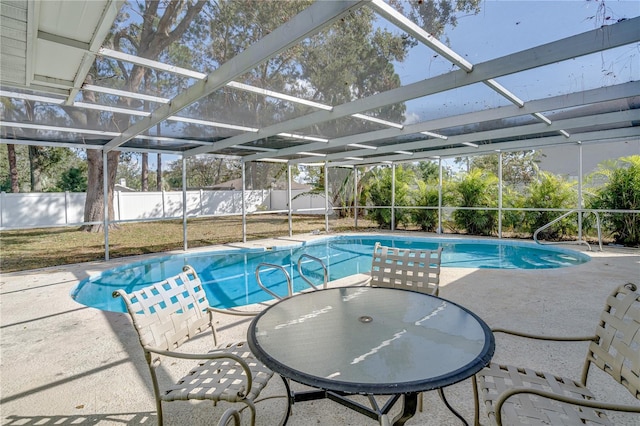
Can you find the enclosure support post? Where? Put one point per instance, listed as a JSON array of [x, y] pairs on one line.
[[326, 197], [500, 195], [289, 200], [105, 203], [184, 203], [439, 195], [244, 213], [2, 194], [355, 196], [580, 191], [393, 197]]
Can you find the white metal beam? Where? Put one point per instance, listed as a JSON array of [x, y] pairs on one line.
[[601, 136], [607, 37], [421, 35], [602, 94], [478, 137], [303, 25]]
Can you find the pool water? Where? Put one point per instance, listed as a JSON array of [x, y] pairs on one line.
[[229, 275]]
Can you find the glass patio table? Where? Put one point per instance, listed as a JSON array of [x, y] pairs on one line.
[[370, 341]]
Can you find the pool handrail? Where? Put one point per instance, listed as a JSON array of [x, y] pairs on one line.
[[286, 274], [580, 240], [304, 277]]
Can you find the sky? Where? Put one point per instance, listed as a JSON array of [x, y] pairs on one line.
[[504, 27]]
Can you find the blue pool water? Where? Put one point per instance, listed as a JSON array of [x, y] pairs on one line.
[[229, 275]]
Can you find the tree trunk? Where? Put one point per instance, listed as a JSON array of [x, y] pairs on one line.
[[159, 174], [145, 172], [156, 36], [35, 169], [94, 203], [13, 168]]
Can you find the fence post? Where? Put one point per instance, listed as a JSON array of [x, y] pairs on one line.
[[119, 200], [201, 211], [163, 209], [2, 194], [66, 208]]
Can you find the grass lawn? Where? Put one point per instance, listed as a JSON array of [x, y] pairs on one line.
[[38, 248]]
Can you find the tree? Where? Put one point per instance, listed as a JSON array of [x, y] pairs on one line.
[[160, 24], [202, 172], [621, 191], [426, 195], [14, 186], [159, 173], [434, 16], [43, 161], [379, 193], [550, 191], [426, 170], [129, 171], [13, 168], [519, 169], [73, 180], [478, 188]]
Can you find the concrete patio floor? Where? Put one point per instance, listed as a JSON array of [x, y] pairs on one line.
[[63, 363]]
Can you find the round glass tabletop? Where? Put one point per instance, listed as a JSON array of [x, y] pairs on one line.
[[371, 340]]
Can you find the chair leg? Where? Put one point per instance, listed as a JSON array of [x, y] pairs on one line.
[[420, 402], [229, 415], [252, 408], [476, 401], [159, 411]]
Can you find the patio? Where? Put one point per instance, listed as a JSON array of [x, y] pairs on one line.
[[63, 363]]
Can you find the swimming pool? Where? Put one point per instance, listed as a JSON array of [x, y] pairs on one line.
[[229, 275]]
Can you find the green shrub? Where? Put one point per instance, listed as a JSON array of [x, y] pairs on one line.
[[478, 188], [550, 192], [426, 196], [620, 192], [513, 220], [379, 194]]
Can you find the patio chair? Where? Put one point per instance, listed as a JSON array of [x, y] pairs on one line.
[[517, 395], [411, 269], [172, 312]]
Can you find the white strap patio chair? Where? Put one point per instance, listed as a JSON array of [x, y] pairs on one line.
[[411, 269], [172, 312], [519, 395]]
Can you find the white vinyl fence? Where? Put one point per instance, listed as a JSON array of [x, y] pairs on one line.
[[32, 210]]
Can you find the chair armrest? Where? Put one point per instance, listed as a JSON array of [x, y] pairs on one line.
[[214, 354], [541, 337], [574, 401], [233, 312], [366, 281]]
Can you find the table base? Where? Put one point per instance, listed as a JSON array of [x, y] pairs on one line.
[[409, 404]]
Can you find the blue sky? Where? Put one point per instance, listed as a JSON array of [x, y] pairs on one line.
[[504, 27]]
